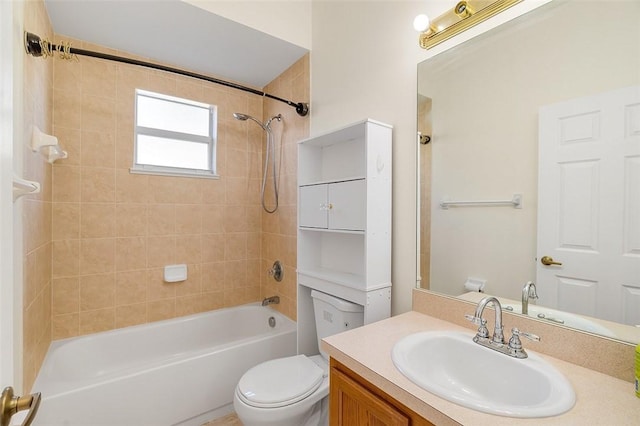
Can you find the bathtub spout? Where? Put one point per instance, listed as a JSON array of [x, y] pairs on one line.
[[271, 300]]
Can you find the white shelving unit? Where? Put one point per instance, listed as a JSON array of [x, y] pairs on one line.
[[344, 222]]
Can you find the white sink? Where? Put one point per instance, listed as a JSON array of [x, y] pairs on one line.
[[452, 366]]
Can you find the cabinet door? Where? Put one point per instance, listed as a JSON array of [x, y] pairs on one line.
[[352, 405], [313, 206], [347, 205]]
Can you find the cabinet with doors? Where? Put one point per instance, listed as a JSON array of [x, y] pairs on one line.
[[354, 402], [344, 219]]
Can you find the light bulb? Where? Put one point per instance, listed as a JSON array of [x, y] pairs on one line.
[[421, 23]]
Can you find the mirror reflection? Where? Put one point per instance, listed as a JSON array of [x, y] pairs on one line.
[[545, 107]]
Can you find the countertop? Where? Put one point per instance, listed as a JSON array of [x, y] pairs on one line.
[[600, 399]]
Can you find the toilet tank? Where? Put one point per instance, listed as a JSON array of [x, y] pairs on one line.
[[334, 315]]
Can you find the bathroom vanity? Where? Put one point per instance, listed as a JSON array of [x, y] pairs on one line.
[[365, 381], [357, 399]]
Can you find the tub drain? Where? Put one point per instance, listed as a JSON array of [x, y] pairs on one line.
[[272, 322]]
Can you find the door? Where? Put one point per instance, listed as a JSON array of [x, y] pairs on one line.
[[313, 206], [347, 205], [589, 205], [353, 405], [6, 201]]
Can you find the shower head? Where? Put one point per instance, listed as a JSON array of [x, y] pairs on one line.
[[245, 117], [265, 126], [240, 116]]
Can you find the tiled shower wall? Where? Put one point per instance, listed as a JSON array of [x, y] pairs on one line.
[[113, 231], [279, 229], [36, 217]]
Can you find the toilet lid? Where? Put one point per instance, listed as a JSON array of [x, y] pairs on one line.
[[280, 382]]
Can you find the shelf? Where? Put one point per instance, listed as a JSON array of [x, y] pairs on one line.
[[329, 181], [333, 231], [347, 133], [342, 278]]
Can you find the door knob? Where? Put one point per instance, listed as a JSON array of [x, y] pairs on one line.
[[10, 405], [548, 260]]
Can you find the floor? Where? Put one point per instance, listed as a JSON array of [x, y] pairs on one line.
[[228, 420]]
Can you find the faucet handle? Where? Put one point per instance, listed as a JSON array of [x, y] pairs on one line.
[[474, 319], [482, 330], [515, 342]]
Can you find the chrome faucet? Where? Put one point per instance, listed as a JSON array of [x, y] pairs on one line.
[[498, 335], [271, 300], [497, 343], [528, 292]]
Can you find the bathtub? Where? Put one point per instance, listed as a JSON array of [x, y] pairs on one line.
[[175, 372]]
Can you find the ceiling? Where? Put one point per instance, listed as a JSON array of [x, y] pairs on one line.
[[177, 34]]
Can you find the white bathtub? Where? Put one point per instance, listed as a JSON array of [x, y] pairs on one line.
[[175, 372]]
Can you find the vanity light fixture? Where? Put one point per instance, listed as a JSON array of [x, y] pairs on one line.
[[464, 15]]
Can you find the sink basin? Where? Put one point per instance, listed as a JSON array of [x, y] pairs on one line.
[[565, 318], [452, 366]]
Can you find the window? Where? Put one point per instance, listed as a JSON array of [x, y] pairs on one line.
[[174, 136]]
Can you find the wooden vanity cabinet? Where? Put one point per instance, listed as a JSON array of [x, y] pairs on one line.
[[353, 401]]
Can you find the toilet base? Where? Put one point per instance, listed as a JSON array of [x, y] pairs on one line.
[[316, 415]]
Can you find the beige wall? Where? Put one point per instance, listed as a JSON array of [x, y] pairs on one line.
[[36, 271], [113, 231], [364, 65]]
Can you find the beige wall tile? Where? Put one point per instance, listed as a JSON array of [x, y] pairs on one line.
[[70, 141], [97, 291], [161, 219], [128, 315], [65, 258], [212, 222], [131, 287], [235, 247], [66, 221], [193, 284], [98, 113], [68, 109], [158, 310], [97, 220], [156, 287], [213, 247], [188, 219], [99, 77], [64, 326], [189, 249], [131, 220], [213, 277], [98, 149], [65, 296], [161, 251], [66, 184], [96, 321], [98, 185], [97, 255], [131, 188], [131, 253]]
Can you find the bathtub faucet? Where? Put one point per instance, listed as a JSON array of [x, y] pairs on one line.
[[271, 300]]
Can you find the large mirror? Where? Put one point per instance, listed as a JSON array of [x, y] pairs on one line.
[[521, 98]]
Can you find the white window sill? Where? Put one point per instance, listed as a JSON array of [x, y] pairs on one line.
[[184, 173]]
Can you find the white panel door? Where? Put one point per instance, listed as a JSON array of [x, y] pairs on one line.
[[313, 206], [347, 205], [7, 338], [589, 205]]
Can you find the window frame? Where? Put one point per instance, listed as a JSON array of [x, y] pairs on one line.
[[210, 140]]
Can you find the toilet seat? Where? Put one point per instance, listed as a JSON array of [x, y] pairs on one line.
[[280, 382]]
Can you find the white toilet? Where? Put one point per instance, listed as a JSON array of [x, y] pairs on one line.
[[293, 391]]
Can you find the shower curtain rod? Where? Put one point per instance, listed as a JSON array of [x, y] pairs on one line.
[[37, 47]]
